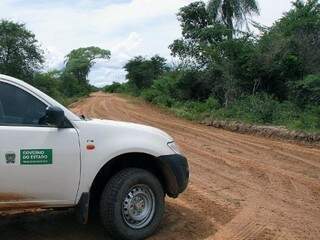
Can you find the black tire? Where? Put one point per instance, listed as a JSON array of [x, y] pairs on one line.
[[113, 198]]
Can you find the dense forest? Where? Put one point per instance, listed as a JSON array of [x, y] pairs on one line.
[[225, 72], [226, 67]]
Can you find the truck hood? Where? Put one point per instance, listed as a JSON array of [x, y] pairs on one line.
[[132, 126]]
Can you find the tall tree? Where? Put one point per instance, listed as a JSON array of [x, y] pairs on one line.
[[290, 51], [199, 34], [20, 54], [204, 46], [142, 72], [78, 64], [232, 13]]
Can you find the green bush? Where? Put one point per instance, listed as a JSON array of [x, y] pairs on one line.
[[149, 94], [196, 110], [212, 104], [154, 96], [286, 112], [163, 100], [309, 120], [115, 87], [307, 91], [127, 88], [258, 108]]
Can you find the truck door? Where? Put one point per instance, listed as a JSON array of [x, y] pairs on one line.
[[39, 164]]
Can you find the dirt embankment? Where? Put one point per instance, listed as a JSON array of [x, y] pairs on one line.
[[241, 186], [281, 133]]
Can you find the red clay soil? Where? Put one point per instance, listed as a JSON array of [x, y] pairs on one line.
[[241, 186]]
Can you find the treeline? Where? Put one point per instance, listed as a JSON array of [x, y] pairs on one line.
[[22, 57], [223, 73]]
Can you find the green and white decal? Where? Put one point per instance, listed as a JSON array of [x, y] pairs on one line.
[[35, 156]]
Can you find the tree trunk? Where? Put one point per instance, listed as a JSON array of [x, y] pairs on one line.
[[230, 27]]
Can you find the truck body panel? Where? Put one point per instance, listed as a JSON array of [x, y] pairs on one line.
[[112, 139], [43, 165]]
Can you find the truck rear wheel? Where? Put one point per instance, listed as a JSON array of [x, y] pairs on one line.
[[132, 204]]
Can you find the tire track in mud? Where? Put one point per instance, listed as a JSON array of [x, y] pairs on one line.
[[245, 144], [268, 178]]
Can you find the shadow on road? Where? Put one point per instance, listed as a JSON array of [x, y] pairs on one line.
[[184, 223], [48, 226], [179, 223]]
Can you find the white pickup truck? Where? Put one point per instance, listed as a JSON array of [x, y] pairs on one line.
[[51, 158]]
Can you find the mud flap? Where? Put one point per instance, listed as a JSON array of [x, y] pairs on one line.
[[82, 209]]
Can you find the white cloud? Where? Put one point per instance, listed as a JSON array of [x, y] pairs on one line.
[[122, 27], [107, 71], [54, 58], [133, 41], [135, 12], [272, 10], [69, 26]]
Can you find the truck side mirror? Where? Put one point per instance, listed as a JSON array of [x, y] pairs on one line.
[[55, 116]]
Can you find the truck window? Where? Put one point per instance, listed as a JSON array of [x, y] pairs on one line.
[[18, 107]]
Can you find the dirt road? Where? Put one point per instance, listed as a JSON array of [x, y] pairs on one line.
[[242, 187]]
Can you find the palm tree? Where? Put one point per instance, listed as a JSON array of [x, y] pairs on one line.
[[233, 13]]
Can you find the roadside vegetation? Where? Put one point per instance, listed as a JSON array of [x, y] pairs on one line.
[[227, 66], [270, 78], [22, 57]]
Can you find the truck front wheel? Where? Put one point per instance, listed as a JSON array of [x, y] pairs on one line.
[[132, 204]]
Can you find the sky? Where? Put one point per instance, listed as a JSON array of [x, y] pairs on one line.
[[126, 27]]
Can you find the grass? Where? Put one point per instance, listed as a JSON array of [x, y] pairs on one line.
[[257, 109]]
